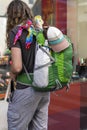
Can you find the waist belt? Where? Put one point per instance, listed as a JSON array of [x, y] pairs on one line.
[[21, 86], [23, 79]]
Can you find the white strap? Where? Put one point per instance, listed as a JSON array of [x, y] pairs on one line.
[[7, 91]]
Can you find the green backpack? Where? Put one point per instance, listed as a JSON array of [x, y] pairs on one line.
[[54, 74], [60, 70]]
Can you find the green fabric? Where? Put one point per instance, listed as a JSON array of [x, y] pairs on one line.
[[64, 64], [24, 79], [40, 38]]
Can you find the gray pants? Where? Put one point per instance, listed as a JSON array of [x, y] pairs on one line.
[[28, 110]]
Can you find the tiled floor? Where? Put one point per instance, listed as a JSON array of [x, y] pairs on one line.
[[68, 110]]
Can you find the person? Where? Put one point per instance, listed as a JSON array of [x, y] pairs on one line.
[[28, 109]]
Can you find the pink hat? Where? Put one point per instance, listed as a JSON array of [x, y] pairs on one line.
[[56, 39]]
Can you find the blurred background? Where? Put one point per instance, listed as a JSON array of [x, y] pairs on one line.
[[67, 110]]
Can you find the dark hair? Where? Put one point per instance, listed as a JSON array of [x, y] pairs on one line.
[[45, 29], [17, 12]]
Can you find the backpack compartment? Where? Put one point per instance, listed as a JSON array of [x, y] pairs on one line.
[[40, 75], [64, 65]]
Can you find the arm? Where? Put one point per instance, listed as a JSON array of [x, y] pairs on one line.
[[16, 66], [16, 55]]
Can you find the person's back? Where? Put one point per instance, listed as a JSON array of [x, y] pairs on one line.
[[28, 109]]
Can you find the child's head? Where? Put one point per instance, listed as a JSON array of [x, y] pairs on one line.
[[38, 22]]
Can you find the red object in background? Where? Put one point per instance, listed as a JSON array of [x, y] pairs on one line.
[[65, 100], [2, 96], [68, 110], [61, 15], [58, 9], [64, 109], [47, 10], [10, 62]]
